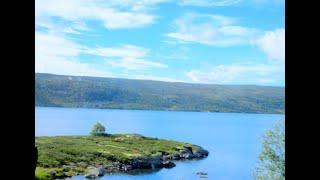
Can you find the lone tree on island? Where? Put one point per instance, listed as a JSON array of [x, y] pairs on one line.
[[98, 130]]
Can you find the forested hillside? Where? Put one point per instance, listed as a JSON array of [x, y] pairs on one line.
[[95, 92]]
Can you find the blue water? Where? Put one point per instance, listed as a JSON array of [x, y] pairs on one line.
[[233, 139]]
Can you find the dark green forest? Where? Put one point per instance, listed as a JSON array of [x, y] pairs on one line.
[[115, 93]]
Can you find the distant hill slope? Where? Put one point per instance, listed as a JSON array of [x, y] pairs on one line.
[[95, 92]]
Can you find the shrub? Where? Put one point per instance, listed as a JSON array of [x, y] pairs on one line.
[[271, 163], [98, 130]]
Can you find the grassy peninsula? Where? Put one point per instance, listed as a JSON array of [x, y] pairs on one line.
[[62, 156]]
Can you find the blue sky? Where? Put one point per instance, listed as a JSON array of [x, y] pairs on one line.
[[194, 41]]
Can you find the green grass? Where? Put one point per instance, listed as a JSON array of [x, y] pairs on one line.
[[59, 153], [42, 174]]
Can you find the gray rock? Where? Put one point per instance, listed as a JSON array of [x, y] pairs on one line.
[[166, 157], [126, 167], [200, 152], [186, 153], [113, 167], [175, 156], [156, 157], [95, 172], [154, 161], [91, 176], [168, 164]]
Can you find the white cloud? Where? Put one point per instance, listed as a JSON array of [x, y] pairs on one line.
[[55, 46], [57, 55], [136, 64], [125, 51], [129, 57], [152, 77], [71, 27], [214, 30], [114, 20], [263, 74], [66, 67], [273, 44], [209, 2], [81, 10]]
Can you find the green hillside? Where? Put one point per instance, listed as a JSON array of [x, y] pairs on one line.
[[95, 92]]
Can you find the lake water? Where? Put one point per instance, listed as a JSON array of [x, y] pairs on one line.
[[233, 139]]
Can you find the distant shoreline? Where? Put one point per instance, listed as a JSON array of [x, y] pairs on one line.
[[182, 82], [114, 93], [157, 110]]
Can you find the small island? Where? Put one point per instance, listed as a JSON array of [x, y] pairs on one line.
[[95, 155]]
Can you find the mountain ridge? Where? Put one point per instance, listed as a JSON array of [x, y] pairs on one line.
[[118, 93]]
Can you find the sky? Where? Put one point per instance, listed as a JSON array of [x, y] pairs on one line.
[[193, 41]]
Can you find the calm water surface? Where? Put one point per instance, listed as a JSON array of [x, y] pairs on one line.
[[233, 139]]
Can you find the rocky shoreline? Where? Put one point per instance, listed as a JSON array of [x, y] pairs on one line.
[[92, 156], [159, 160]]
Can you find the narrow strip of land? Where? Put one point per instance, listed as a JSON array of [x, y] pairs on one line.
[[64, 156]]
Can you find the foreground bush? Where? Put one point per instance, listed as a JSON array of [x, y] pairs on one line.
[[271, 165]]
